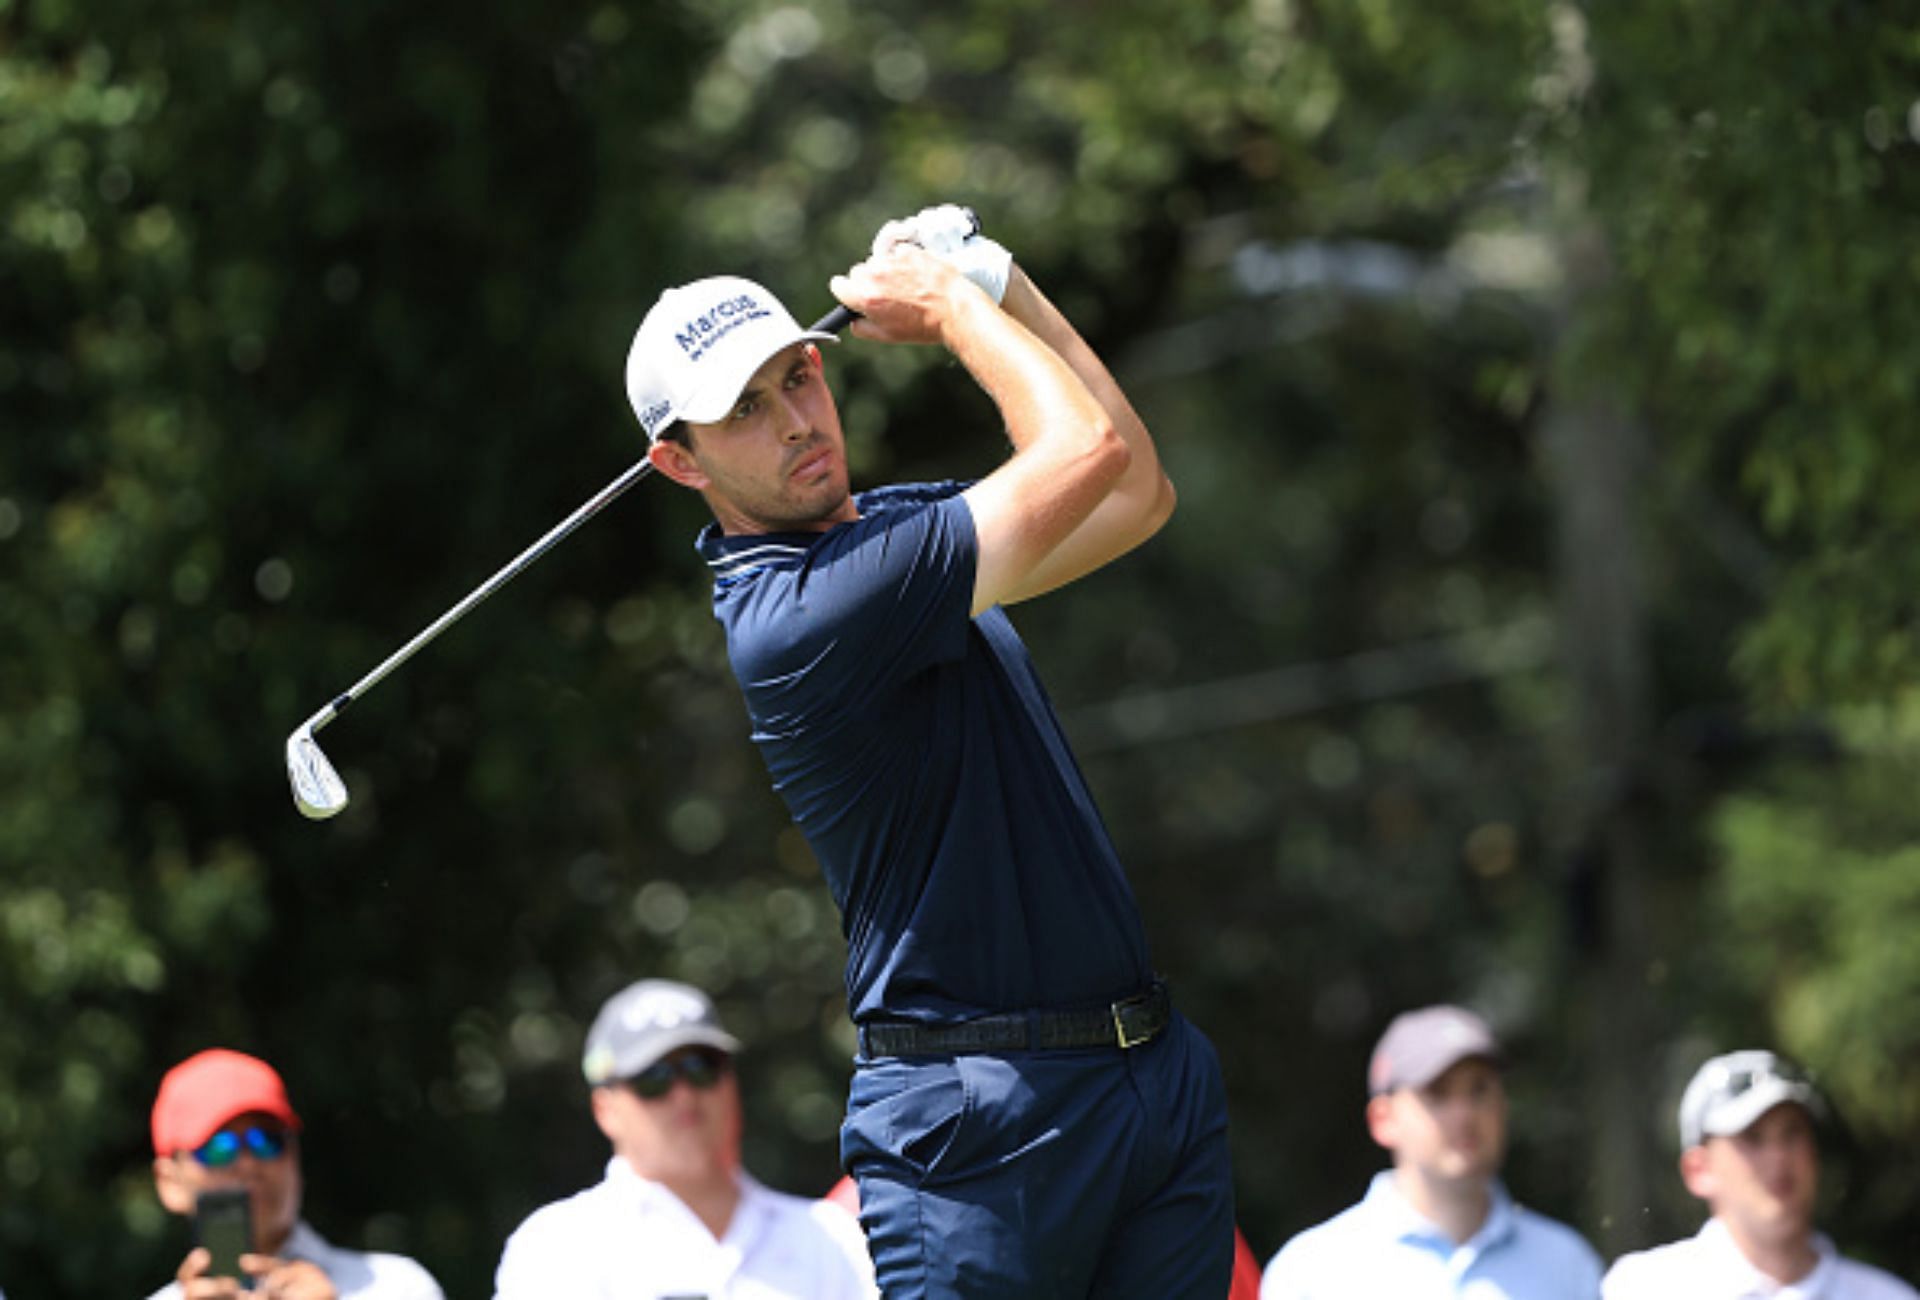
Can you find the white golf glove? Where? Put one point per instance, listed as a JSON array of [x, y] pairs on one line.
[[952, 234]]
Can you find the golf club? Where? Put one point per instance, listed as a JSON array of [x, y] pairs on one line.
[[318, 790]]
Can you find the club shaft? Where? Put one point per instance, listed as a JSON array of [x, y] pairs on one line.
[[507, 573], [833, 322]]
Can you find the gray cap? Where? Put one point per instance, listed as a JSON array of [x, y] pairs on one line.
[[1420, 1046], [644, 1022], [1730, 1092]]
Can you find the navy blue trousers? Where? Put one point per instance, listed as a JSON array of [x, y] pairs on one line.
[[1063, 1174]]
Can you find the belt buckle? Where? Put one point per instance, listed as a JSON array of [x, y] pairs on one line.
[[1118, 1009]]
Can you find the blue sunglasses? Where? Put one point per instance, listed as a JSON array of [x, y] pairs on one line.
[[224, 1147]]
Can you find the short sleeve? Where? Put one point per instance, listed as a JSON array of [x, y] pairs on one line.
[[851, 1271], [537, 1259], [873, 604], [400, 1278], [1284, 1277], [1621, 1281]]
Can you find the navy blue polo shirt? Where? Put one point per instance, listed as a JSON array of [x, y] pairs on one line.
[[921, 758]]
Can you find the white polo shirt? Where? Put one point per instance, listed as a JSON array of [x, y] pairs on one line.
[[1709, 1266], [355, 1274], [628, 1238]]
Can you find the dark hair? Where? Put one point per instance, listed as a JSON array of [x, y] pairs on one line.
[[676, 432]]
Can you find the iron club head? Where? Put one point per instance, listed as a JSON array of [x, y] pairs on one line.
[[318, 790]]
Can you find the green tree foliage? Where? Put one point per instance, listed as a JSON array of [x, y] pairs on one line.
[[1819, 887], [1756, 173], [312, 318], [1753, 173]]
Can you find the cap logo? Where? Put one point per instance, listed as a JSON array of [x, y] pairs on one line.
[[664, 1009], [656, 414], [698, 336]]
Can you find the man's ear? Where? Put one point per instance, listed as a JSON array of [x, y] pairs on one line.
[[171, 1188], [603, 1113], [1382, 1123], [675, 461], [1696, 1171]]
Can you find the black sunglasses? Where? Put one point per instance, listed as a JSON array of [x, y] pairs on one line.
[[224, 1147], [701, 1067]]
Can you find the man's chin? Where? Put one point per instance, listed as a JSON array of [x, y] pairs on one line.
[[1788, 1219], [821, 503], [1470, 1168]]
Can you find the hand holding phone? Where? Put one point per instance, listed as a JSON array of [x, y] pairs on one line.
[[223, 1223]]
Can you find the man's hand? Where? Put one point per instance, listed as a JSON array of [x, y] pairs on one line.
[[905, 295], [276, 1278], [196, 1285], [952, 234], [280, 1279]]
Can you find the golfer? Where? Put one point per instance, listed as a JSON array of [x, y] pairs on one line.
[[1029, 1115]]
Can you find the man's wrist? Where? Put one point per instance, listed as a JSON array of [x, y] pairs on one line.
[[1021, 299], [968, 310]]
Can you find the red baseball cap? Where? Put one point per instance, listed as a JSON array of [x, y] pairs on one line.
[[206, 1090]]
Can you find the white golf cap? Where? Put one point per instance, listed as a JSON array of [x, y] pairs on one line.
[[644, 1022], [1729, 1093], [700, 344]]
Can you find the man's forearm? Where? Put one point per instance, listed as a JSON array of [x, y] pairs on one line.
[[1037, 390], [1141, 498], [1027, 304]]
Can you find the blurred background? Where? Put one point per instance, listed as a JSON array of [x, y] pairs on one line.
[[1536, 630]]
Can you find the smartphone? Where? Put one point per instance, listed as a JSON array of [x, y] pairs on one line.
[[223, 1223]]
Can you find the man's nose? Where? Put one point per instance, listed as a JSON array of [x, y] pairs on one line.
[[793, 424]]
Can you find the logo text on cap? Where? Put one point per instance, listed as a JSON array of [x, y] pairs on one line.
[[698, 336]]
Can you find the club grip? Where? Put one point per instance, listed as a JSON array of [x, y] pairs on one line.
[[836, 320]]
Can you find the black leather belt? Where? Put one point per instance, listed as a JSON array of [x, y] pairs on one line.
[[1129, 1022]]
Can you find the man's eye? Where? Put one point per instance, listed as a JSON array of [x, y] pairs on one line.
[[799, 377], [746, 408]]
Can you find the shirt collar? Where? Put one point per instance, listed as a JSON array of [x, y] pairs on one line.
[[652, 1196], [1398, 1216], [730, 555], [1731, 1263], [304, 1243]]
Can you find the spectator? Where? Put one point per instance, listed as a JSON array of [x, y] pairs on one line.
[[1439, 1223], [222, 1119], [676, 1215], [1748, 1149]]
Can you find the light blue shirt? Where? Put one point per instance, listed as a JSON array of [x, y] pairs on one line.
[[1382, 1249], [356, 1275]]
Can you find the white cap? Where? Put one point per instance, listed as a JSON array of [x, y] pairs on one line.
[[1420, 1046], [644, 1022], [1730, 1092], [698, 347]]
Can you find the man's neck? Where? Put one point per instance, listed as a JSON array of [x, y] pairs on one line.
[[1458, 1207], [1784, 1260], [275, 1244], [712, 1197], [734, 523]]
